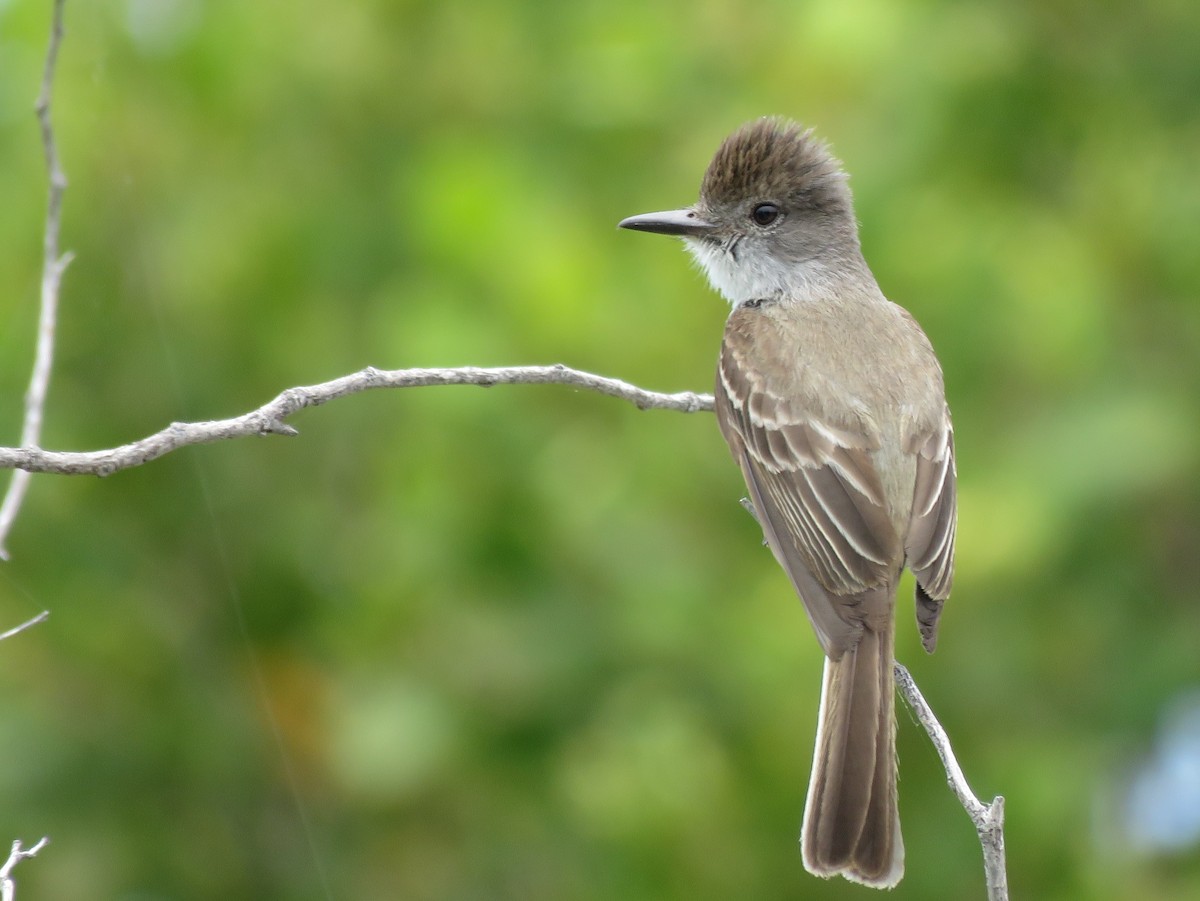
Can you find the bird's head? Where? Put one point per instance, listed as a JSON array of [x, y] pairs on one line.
[[774, 215]]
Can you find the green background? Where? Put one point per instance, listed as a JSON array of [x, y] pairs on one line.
[[523, 643]]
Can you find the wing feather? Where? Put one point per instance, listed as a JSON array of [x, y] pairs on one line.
[[929, 543], [818, 496]]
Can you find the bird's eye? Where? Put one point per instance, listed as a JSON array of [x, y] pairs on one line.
[[764, 213]]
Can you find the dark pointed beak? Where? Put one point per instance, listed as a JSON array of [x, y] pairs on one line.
[[683, 223]]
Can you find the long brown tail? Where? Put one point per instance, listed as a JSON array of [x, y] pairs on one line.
[[851, 821]]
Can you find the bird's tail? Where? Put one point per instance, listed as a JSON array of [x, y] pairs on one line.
[[851, 821]]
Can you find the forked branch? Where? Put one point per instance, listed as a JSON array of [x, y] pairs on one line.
[[988, 818], [8, 888]]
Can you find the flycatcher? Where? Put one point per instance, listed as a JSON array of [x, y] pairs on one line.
[[831, 400]]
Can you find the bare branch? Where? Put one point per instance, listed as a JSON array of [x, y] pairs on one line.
[[269, 418], [53, 266], [7, 886], [988, 818], [16, 630]]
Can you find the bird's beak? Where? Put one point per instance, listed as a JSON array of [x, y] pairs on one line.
[[683, 223]]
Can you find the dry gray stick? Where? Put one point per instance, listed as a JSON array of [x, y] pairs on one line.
[[269, 418], [7, 886], [53, 266], [988, 818]]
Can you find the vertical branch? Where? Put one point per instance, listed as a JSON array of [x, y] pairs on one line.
[[53, 266]]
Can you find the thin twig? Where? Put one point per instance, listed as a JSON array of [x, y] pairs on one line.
[[988, 818], [53, 266], [16, 630], [269, 418], [7, 886]]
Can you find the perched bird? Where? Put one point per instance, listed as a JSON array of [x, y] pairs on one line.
[[831, 401]]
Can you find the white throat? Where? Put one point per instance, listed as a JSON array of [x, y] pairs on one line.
[[745, 271]]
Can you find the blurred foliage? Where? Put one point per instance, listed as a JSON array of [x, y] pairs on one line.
[[523, 643]]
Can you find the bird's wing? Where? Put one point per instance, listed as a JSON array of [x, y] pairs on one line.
[[929, 544], [818, 497]]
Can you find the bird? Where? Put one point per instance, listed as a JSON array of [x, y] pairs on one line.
[[832, 402]]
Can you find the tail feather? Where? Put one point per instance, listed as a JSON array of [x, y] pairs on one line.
[[851, 819]]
